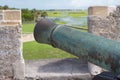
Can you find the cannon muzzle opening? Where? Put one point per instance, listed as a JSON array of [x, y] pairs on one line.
[[43, 30]]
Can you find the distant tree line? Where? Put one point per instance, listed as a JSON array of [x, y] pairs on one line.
[[30, 15], [27, 15], [5, 7]]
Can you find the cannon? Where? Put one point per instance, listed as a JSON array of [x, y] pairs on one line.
[[95, 49]]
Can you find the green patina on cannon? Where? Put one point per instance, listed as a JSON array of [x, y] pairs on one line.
[[98, 50]]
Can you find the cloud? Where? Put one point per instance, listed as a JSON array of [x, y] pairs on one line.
[[86, 3], [57, 4], [114, 2]]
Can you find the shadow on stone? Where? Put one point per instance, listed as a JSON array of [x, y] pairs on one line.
[[64, 66]]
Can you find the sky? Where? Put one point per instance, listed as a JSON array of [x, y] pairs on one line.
[[57, 4]]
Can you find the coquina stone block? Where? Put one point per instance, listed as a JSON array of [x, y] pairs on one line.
[[10, 17]]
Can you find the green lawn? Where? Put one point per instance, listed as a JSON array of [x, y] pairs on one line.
[[54, 13], [67, 13], [33, 50], [78, 14], [28, 27]]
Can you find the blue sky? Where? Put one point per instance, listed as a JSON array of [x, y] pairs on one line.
[[57, 4]]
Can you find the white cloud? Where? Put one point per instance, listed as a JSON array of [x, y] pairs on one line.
[[114, 2], [86, 3]]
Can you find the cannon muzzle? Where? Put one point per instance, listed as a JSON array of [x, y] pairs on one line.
[[98, 50]]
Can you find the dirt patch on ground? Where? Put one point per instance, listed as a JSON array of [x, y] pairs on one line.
[[27, 37]]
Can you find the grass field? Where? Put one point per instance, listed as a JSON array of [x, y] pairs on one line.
[[78, 14], [28, 28], [67, 13], [33, 50], [54, 13]]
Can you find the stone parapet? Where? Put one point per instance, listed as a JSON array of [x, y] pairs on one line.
[[11, 59]]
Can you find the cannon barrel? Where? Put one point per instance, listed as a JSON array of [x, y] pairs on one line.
[[98, 50]]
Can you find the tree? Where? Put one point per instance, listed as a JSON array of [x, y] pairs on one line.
[[1, 7], [33, 11], [5, 7], [36, 16], [44, 14], [27, 15]]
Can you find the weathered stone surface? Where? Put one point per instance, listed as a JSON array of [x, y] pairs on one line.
[[9, 23], [100, 11], [10, 17], [10, 49], [11, 59], [108, 26], [57, 69]]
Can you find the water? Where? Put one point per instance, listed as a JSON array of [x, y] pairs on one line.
[[79, 21]]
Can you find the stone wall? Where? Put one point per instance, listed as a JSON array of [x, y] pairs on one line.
[[11, 59], [10, 17], [100, 11], [107, 26]]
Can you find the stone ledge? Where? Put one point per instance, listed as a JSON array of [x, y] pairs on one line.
[[57, 69]]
